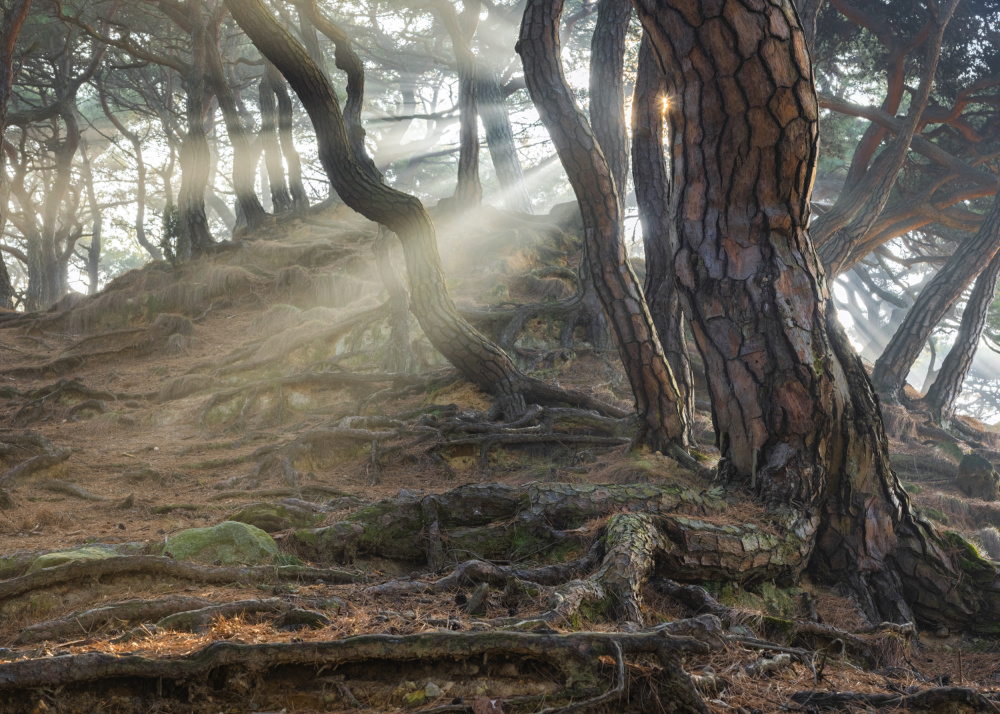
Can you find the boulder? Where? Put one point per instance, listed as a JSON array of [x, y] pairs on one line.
[[229, 543], [977, 478], [274, 517]]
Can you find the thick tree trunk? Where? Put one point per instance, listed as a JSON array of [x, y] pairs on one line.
[[933, 302], [658, 401], [281, 199], [500, 141], [250, 210], [300, 201], [194, 153], [48, 277], [652, 187], [478, 359], [942, 395], [796, 416]]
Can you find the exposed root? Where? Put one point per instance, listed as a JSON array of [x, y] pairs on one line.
[[936, 699], [70, 489]]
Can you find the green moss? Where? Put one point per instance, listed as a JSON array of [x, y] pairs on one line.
[[970, 561], [228, 543], [951, 450], [911, 488], [51, 560], [936, 515]]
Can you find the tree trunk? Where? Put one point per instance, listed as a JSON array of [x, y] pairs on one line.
[[281, 199], [500, 140], [48, 277], [9, 29], [942, 395], [933, 302], [96, 222], [461, 28], [607, 91], [195, 237], [796, 416], [652, 193], [657, 399], [478, 359], [300, 201], [251, 211]]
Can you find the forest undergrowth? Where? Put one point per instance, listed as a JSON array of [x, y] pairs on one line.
[[421, 555]]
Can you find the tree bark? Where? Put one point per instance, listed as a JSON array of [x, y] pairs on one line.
[[250, 210], [478, 359], [281, 199], [607, 90], [942, 395], [796, 416], [96, 222], [300, 201], [658, 401], [47, 279], [652, 194], [968, 260]]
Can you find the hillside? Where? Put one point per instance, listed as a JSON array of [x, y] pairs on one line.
[[263, 384]]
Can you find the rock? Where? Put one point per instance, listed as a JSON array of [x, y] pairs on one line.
[[432, 691], [229, 543], [477, 601], [415, 699], [273, 517], [127, 504], [296, 619], [6, 502], [978, 479], [90, 552]]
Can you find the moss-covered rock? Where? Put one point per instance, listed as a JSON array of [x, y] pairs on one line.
[[273, 517], [229, 543], [977, 478], [89, 552]]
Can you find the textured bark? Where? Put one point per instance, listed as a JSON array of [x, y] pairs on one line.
[[194, 153], [250, 210], [934, 301], [461, 28], [795, 415], [300, 201], [478, 359], [839, 230], [652, 186], [281, 199], [657, 399], [942, 395], [607, 90], [44, 288], [500, 141], [808, 14]]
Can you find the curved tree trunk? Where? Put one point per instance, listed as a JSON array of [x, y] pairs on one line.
[[281, 199], [652, 187], [796, 415], [250, 210], [933, 302], [500, 140], [300, 201], [478, 359], [943, 394], [657, 398]]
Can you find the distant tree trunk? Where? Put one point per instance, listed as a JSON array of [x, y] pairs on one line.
[[892, 368], [9, 29], [652, 187], [281, 199], [657, 399], [478, 359], [808, 14], [307, 31], [607, 90], [500, 140], [96, 222], [943, 394], [461, 28], [300, 201], [195, 236], [49, 285], [251, 211]]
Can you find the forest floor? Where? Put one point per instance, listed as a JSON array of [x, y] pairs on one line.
[[177, 398]]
